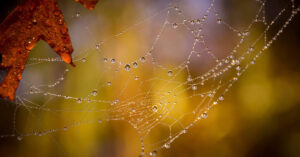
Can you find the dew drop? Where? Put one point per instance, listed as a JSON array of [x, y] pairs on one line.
[[29, 44], [154, 108], [192, 22], [19, 138], [77, 14], [153, 153], [233, 62], [94, 92], [219, 21], [246, 33], [60, 21], [127, 67], [143, 59], [112, 60], [83, 60], [221, 98], [133, 110], [167, 146], [79, 101], [194, 87], [109, 83], [204, 115], [239, 34], [170, 72], [175, 25], [34, 21], [135, 64]]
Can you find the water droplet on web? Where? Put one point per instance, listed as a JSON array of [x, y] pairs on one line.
[[112, 60], [221, 98], [175, 25], [154, 108], [189, 79], [83, 60], [143, 59], [94, 92], [233, 62], [19, 138], [97, 46], [65, 128], [219, 21], [99, 121], [194, 87], [79, 101], [105, 59], [77, 14], [127, 67], [167, 146], [246, 33], [136, 78], [153, 153], [204, 115], [30, 91], [251, 48], [192, 22], [108, 83], [135, 64], [170, 72], [239, 34], [133, 110]]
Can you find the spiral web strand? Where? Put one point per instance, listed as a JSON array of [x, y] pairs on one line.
[[149, 101]]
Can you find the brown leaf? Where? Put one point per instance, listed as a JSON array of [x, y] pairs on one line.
[[29, 22]]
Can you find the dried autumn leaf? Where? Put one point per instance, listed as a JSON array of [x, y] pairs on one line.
[[28, 23]]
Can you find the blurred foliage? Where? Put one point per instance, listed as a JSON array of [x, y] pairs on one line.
[[259, 117]]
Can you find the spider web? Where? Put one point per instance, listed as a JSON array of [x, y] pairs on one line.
[[162, 74]]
